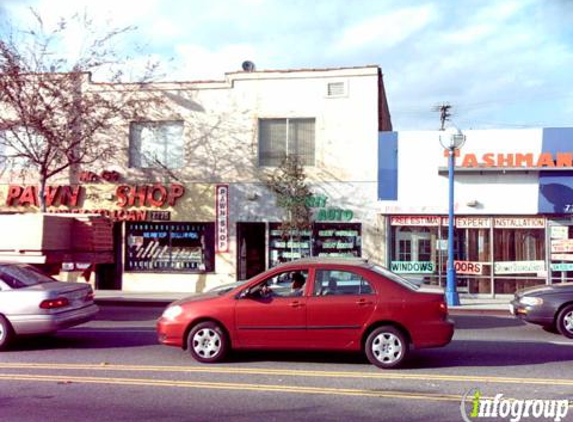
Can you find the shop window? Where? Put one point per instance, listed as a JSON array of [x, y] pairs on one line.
[[170, 247], [404, 250], [425, 249], [334, 283], [156, 145], [414, 244], [323, 239], [519, 244], [279, 138], [519, 256], [337, 239], [285, 246]]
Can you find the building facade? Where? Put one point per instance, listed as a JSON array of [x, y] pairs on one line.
[[513, 206], [186, 190]]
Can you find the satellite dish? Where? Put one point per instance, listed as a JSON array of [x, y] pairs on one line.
[[248, 66]]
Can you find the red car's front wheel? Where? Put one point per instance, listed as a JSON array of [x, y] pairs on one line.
[[207, 342]]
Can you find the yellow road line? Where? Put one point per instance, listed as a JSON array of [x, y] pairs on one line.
[[382, 375], [232, 386]]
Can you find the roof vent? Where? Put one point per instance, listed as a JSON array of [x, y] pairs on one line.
[[248, 66]]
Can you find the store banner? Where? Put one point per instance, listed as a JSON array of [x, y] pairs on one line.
[[559, 232], [562, 257], [222, 216], [413, 267], [556, 187], [469, 267], [519, 267], [519, 222], [562, 245], [562, 267]]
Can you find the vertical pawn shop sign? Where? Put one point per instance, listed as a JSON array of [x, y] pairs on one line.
[[222, 211]]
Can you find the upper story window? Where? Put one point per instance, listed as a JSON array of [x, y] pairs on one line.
[[156, 145], [281, 137]]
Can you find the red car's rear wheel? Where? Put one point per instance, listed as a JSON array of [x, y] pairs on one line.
[[386, 347]]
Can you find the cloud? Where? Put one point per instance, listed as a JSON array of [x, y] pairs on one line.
[[495, 61], [386, 30], [195, 62]]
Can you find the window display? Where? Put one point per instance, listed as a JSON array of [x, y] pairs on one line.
[[323, 239], [170, 247]]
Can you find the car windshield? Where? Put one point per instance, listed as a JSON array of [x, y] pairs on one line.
[[395, 277], [17, 277]]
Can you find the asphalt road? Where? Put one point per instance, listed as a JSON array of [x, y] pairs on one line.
[[112, 369]]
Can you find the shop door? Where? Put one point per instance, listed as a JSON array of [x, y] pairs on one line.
[[250, 250], [109, 276]]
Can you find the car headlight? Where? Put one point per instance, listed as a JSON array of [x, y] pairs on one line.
[[531, 301], [172, 312]]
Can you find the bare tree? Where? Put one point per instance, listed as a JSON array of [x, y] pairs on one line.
[[50, 111]]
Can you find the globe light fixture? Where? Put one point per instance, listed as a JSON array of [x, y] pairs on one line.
[[451, 140]]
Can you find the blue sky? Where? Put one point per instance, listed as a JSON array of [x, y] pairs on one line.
[[500, 63]]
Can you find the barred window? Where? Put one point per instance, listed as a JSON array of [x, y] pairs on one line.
[[156, 145], [281, 137]]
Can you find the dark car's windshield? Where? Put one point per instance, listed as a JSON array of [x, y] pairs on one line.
[[395, 277], [17, 276]]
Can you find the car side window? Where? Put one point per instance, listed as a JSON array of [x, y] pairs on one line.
[[285, 284], [335, 282]]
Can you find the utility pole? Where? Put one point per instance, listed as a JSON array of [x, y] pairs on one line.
[[445, 114]]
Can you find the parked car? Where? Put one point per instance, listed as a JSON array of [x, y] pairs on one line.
[[345, 305], [34, 303], [550, 306]]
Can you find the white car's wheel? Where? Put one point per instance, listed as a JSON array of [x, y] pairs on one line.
[[386, 347], [565, 321], [207, 342], [6, 333]]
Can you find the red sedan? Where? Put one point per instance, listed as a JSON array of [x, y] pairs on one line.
[[312, 304]]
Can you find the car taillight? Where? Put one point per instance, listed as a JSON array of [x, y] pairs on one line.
[[58, 302], [443, 309], [89, 297]]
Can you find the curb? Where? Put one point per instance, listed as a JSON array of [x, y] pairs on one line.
[[118, 301], [473, 311]]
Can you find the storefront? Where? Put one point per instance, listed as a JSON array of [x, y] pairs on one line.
[[492, 254], [190, 237], [512, 206], [338, 229]]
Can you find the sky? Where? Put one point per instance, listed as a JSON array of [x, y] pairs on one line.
[[499, 63]]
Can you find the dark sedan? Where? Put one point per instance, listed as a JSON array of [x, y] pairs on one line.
[[550, 306]]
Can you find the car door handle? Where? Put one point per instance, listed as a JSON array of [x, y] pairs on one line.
[[296, 304], [364, 302]]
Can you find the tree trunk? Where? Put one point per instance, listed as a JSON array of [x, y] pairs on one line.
[[42, 193]]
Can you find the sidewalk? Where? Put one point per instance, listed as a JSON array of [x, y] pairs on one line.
[[469, 305]]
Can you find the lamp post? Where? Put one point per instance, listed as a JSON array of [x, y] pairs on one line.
[[451, 139]]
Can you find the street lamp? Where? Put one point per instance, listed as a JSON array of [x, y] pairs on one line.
[[451, 139]]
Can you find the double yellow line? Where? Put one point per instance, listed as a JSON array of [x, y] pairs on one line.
[[382, 375], [231, 386]]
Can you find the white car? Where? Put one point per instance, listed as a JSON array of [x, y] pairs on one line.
[[34, 303]]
